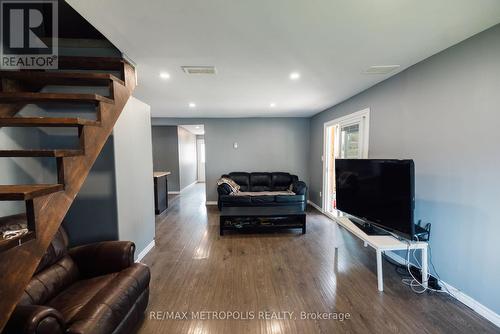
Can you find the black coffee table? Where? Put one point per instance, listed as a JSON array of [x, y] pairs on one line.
[[261, 218]]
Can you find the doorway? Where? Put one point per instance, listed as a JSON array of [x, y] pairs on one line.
[[344, 138], [200, 152]]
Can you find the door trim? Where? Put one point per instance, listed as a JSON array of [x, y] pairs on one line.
[[365, 130]]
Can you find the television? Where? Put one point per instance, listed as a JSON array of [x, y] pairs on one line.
[[378, 192]]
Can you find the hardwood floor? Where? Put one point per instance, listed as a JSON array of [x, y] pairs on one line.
[[195, 270]]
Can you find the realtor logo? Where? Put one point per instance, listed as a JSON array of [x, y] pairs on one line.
[[29, 34]]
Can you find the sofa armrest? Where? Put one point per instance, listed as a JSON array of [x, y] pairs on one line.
[[35, 319], [299, 188], [223, 189], [103, 257]]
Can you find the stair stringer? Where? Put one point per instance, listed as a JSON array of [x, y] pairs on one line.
[[17, 265]]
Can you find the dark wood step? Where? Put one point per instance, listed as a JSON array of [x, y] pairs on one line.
[[22, 192], [26, 98], [91, 63], [61, 78], [40, 153], [53, 122]]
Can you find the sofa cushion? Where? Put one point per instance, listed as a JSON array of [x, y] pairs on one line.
[[281, 181], [56, 250], [70, 301], [263, 199], [242, 178], [260, 181], [112, 297], [235, 199], [48, 283], [290, 199]]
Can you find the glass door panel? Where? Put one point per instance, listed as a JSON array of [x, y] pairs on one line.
[[349, 141], [345, 138]]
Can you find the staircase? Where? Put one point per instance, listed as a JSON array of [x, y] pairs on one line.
[[47, 204]]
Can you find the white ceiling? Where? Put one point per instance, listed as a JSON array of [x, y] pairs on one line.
[[196, 129], [255, 44]]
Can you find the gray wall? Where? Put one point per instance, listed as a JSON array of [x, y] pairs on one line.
[[264, 144], [116, 201], [20, 170], [187, 158], [93, 216], [134, 174], [166, 153], [443, 113]]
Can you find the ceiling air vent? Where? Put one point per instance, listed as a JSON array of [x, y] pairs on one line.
[[195, 70], [382, 69]]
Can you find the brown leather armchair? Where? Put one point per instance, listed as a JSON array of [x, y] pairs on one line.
[[94, 288]]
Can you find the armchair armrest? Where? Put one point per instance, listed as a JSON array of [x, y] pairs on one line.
[[102, 258], [35, 319], [299, 188]]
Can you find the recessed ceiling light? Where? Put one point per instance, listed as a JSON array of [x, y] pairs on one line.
[[294, 76], [164, 75], [272, 104], [192, 105]]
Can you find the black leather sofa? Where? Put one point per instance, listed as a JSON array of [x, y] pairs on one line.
[[260, 182]]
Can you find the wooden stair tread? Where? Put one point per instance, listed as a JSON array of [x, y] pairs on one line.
[[41, 153], [26, 97], [61, 78], [91, 63], [22, 192], [46, 122]]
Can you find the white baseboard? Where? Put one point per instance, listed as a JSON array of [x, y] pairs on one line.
[[315, 206], [145, 251], [459, 295], [174, 192], [473, 304], [189, 185], [211, 203]]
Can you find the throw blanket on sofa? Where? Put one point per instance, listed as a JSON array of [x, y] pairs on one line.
[[235, 188]]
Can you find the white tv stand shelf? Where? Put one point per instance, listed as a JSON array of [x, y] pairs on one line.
[[382, 243]]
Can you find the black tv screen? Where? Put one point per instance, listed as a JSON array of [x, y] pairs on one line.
[[380, 192]]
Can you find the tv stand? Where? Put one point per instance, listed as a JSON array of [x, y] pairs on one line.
[[383, 243], [370, 229]]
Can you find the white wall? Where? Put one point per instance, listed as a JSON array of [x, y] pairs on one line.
[[134, 174], [187, 158]]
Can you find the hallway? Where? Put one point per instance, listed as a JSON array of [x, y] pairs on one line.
[[195, 270]]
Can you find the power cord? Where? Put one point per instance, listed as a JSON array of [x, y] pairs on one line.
[[412, 282]]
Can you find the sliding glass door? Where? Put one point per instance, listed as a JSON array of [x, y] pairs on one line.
[[344, 138]]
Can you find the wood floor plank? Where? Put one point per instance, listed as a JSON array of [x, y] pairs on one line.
[[195, 269]]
